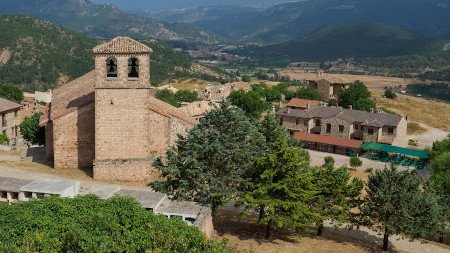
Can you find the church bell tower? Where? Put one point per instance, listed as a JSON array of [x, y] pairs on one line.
[[122, 115]]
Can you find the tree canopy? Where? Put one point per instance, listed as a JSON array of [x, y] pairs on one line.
[[31, 131], [358, 96], [251, 102], [11, 92], [88, 224], [176, 98], [209, 164], [308, 93]]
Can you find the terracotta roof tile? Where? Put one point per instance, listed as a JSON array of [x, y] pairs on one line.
[[6, 105], [122, 45], [331, 140], [302, 103]]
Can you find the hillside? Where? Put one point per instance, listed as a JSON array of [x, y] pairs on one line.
[[33, 51], [365, 41], [37, 55], [283, 22], [103, 21]]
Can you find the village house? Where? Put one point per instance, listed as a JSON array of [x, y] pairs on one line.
[[198, 109], [302, 104], [10, 119], [339, 124], [218, 92], [108, 121], [328, 87]]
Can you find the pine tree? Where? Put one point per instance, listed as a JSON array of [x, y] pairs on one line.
[[209, 164], [337, 193], [285, 190], [393, 204]]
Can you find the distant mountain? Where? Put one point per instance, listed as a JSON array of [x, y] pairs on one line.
[[36, 54], [104, 21], [287, 21], [367, 40], [175, 4]]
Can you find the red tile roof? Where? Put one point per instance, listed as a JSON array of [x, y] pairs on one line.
[[326, 139], [122, 45], [6, 105], [302, 103]]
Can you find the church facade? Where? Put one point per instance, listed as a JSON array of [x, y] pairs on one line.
[[107, 120]]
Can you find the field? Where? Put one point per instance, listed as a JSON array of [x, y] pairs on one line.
[[431, 113], [373, 82]]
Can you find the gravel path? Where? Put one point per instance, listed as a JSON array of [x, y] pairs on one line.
[[427, 139]]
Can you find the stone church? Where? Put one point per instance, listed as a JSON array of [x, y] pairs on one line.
[[108, 121]]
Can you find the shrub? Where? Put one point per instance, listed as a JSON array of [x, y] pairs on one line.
[[369, 170], [355, 162], [246, 78], [329, 160], [3, 139], [389, 93], [31, 131], [88, 224]]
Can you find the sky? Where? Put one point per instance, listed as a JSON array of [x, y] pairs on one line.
[[169, 4]]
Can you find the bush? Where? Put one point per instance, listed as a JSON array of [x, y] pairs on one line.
[[355, 162], [389, 93], [246, 78], [4, 139], [369, 170], [329, 160], [88, 224], [31, 131]]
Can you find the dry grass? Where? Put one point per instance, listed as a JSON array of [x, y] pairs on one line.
[[190, 84], [6, 152], [415, 128], [428, 112], [244, 235]]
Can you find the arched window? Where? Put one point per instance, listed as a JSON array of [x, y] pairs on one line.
[[111, 67], [133, 68]]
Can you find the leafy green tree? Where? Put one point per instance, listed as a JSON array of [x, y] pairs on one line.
[[337, 193], [440, 168], [393, 202], [308, 93], [11, 92], [440, 147], [186, 96], [285, 190], [329, 160], [167, 96], [89, 224], [273, 132], [355, 162], [389, 93], [31, 131], [358, 96], [246, 78], [3, 139], [251, 102], [209, 164]]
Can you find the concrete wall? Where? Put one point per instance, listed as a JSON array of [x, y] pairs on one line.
[[73, 138]]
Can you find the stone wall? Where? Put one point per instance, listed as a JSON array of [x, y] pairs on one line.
[[400, 135], [177, 127], [290, 123], [122, 124], [371, 137], [73, 138], [335, 122], [205, 222], [12, 123], [133, 170]]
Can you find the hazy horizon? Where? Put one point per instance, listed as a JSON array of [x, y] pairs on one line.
[[171, 4]]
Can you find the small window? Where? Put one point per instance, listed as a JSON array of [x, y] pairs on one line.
[[370, 131], [356, 127], [305, 122], [390, 130], [341, 128], [16, 114], [317, 122], [133, 68], [328, 128], [281, 121], [297, 121], [111, 67]]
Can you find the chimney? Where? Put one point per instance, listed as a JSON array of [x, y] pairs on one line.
[[350, 107], [308, 105], [288, 110], [372, 110]]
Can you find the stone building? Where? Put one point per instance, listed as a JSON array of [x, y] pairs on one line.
[[10, 119], [108, 121], [328, 87], [198, 109], [346, 123]]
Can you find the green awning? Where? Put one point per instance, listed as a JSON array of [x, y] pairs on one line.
[[394, 149]]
